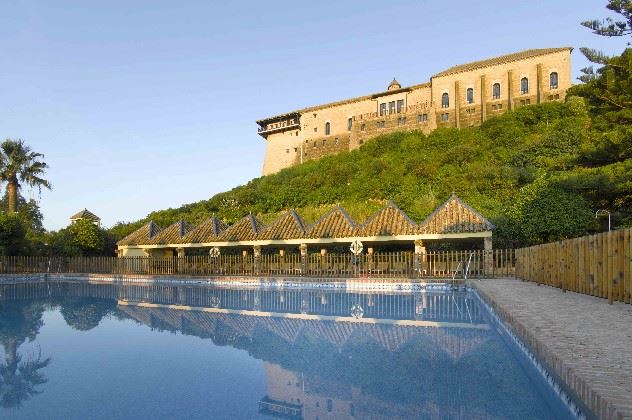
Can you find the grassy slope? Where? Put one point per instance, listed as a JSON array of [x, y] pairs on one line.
[[485, 166]]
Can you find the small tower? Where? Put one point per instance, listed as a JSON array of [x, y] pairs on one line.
[[86, 214], [394, 85]]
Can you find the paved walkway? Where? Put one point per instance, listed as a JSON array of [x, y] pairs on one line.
[[585, 341]]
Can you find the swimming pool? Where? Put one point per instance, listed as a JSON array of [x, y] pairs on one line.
[[75, 350]]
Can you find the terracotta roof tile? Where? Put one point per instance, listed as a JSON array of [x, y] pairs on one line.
[[336, 223], [287, 226], [388, 221], [508, 58], [85, 214], [142, 235], [245, 229], [171, 234], [454, 216], [207, 231]]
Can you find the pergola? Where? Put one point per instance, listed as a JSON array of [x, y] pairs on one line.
[[453, 220]]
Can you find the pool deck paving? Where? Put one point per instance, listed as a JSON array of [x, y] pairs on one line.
[[585, 342]]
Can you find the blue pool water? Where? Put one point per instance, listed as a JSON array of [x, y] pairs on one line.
[[103, 351]]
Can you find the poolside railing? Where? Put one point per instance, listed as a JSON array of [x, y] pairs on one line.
[[597, 265], [434, 264]]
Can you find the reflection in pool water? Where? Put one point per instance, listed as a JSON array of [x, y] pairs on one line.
[[107, 351]]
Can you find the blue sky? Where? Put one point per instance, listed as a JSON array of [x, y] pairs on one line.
[[145, 105]]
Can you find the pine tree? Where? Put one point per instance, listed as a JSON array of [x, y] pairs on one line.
[[610, 28]]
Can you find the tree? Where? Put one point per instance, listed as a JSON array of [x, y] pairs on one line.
[[20, 321], [81, 238], [544, 212], [84, 314], [610, 28], [12, 235], [20, 165]]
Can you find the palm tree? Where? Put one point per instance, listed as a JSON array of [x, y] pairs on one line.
[[20, 380], [20, 165]]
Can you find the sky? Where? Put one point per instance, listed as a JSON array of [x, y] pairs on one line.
[[145, 105]]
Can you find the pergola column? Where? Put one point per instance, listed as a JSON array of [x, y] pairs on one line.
[[369, 252], [257, 252], [488, 256], [303, 249], [420, 258]]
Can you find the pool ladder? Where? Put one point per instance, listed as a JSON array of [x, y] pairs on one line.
[[453, 284]]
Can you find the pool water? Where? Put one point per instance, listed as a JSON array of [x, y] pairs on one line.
[[103, 351]]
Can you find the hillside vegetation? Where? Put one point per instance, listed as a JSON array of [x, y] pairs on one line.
[[538, 173]]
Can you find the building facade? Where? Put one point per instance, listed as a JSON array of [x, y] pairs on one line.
[[461, 96]]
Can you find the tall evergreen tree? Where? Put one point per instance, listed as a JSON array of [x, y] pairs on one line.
[[610, 28]]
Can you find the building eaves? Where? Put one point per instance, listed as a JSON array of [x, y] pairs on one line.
[[503, 59], [342, 102]]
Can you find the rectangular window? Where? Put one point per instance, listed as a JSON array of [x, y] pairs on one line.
[[391, 107], [330, 405], [382, 108], [422, 118], [324, 142], [362, 127], [287, 150], [400, 106], [349, 123], [445, 117], [337, 141]]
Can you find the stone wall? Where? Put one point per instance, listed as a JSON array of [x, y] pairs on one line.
[[309, 140]]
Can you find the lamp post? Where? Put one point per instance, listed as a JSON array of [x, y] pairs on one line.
[[602, 212]]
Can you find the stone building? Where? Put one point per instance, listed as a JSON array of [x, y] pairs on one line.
[[461, 96]]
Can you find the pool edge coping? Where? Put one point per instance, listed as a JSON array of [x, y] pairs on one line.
[[592, 403]]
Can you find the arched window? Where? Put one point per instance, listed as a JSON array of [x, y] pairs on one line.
[[553, 80], [469, 95], [496, 91], [445, 100], [524, 86], [327, 128]]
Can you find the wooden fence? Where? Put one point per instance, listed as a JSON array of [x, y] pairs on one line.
[[440, 264], [598, 265]]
